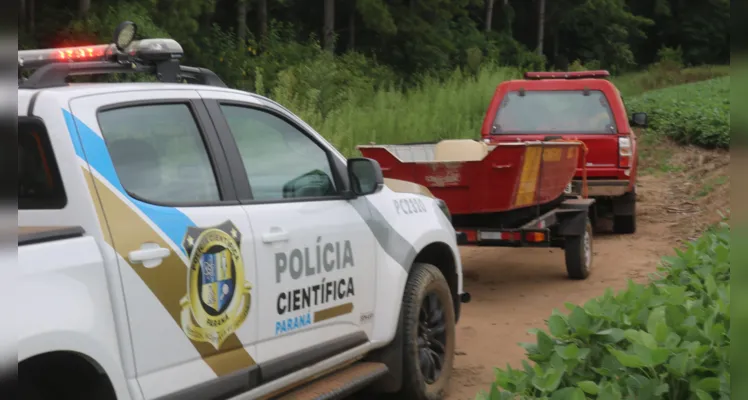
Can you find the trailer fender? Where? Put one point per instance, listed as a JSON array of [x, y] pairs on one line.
[[572, 222], [572, 216]]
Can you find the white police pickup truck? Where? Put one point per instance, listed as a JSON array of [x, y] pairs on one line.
[[189, 241]]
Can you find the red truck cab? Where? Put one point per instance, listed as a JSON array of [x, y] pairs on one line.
[[580, 106]]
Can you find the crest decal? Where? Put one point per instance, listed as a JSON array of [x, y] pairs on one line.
[[218, 298]]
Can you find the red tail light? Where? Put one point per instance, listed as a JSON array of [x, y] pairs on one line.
[[625, 152], [511, 236], [535, 237]]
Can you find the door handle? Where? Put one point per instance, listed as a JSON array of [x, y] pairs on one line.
[[149, 254], [275, 235]]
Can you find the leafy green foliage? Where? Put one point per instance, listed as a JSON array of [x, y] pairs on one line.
[[411, 38], [696, 113], [612, 25], [668, 339]]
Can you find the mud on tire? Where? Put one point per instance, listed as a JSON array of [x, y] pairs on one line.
[[428, 334]]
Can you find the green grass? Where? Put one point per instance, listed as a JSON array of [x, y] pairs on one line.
[[710, 185], [636, 83], [443, 110], [695, 113], [433, 111]]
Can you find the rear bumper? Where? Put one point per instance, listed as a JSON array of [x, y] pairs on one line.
[[602, 187]]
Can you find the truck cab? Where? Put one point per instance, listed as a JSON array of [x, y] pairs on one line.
[[575, 106], [191, 241]]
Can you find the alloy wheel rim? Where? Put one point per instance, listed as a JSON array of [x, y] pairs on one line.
[[432, 338]]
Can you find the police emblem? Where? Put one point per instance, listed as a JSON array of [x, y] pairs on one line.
[[218, 298]]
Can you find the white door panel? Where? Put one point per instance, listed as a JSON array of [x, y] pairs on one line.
[[315, 253], [191, 313], [320, 277]]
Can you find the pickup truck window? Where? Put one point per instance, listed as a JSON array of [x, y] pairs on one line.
[[159, 154], [281, 161], [39, 182], [558, 111]]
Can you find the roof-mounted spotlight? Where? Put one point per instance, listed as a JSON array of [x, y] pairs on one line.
[[124, 34]]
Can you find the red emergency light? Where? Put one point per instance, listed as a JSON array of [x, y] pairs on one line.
[[82, 53], [567, 75], [40, 57]]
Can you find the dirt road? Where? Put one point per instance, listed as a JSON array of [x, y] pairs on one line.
[[514, 290]]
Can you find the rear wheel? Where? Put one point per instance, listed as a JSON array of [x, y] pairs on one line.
[[578, 252], [626, 224], [429, 334]]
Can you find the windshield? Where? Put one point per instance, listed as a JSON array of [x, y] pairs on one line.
[[562, 111]]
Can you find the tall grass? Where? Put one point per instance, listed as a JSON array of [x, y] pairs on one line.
[[434, 110], [636, 83]]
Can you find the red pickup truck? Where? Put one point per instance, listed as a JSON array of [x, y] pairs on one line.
[[581, 106]]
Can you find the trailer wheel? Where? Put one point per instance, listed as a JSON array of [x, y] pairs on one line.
[[578, 252]]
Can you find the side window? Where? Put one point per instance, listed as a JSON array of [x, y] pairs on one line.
[[159, 154], [39, 181], [281, 161]]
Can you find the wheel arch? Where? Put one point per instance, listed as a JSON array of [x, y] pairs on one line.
[[68, 368], [440, 255]]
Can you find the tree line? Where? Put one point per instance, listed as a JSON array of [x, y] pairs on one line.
[[406, 37]]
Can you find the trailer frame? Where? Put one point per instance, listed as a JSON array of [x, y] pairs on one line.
[[564, 224]]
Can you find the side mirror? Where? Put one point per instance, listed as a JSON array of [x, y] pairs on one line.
[[365, 176], [639, 120]]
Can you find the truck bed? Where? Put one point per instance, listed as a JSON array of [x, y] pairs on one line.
[[40, 234]]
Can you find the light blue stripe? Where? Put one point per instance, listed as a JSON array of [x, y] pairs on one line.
[[170, 220]]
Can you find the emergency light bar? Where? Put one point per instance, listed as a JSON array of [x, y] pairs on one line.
[[124, 55], [148, 50], [567, 75], [38, 58]]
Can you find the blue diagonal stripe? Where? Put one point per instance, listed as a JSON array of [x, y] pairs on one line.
[[92, 148]]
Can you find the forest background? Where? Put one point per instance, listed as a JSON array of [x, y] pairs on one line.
[[342, 64]]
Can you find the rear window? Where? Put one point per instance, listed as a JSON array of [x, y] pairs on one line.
[[39, 181], [561, 111]]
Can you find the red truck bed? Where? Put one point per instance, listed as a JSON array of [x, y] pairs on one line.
[[473, 177]]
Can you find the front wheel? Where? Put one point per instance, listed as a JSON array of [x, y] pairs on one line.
[[429, 334], [578, 252]]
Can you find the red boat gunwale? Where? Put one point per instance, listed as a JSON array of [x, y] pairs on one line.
[[505, 177]]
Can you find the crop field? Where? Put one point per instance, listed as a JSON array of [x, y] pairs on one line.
[[696, 113], [666, 338]]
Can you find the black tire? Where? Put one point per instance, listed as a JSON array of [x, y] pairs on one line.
[[626, 224], [425, 285], [32, 393], [578, 253]]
